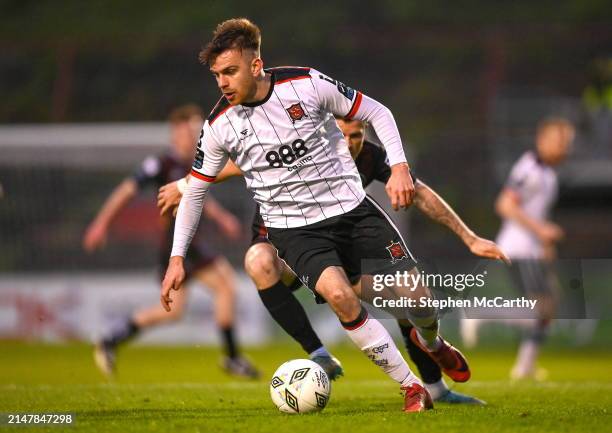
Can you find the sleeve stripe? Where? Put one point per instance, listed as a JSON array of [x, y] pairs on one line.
[[202, 176], [355, 106]]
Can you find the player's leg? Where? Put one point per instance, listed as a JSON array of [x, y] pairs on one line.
[[219, 277], [430, 372], [275, 284], [311, 252], [538, 281], [370, 336], [382, 250], [124, 330]]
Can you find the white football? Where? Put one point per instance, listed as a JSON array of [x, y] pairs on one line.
[[300, 386]]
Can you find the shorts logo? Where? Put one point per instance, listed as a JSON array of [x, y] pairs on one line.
[[305, 280], [296, 112], [397, 252]]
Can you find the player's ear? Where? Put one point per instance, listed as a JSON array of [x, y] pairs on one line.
[[256, 66]]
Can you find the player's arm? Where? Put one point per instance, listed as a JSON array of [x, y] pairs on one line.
[[170, 194], [209, 160], [434, 206], [341, 100], [95, 235], [508, 206]]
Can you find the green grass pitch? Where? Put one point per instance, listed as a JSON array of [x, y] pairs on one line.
[[183, 390]]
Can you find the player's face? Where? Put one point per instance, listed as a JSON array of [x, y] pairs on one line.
[[236, 72], [354, 134], [184, 135], [554, 143]]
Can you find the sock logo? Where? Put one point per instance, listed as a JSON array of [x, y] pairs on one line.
[[380, 349]]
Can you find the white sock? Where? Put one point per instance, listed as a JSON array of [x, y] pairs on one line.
[[375, 342], [437, 389], [525, 361]]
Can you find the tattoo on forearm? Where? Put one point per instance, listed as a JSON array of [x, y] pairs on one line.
[[438, 210]]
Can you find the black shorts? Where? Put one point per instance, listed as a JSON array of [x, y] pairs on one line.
[[533, 278], [362, 241], [259, 232], [198, 257]]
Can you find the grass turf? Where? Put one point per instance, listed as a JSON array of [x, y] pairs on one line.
[[182, 389]]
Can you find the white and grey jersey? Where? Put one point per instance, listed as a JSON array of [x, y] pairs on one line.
[[536, 185], [293, 155]]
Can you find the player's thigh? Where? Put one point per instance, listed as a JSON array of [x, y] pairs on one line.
[[376, 244], [537, 280], [307, 251]]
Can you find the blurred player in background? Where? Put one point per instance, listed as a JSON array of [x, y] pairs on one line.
[[530, 238], [275, 281], [209, 268]]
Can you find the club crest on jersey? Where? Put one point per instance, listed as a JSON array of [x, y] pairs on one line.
[[296, 112], [397, 252]]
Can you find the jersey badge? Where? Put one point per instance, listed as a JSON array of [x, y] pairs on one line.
[[296, 112]]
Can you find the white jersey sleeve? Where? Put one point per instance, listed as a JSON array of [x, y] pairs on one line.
[[210, 158], [517, 180], [341, 100]]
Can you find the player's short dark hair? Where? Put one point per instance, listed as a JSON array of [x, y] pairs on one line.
[[185, 113], [554, 121], [237, 33]]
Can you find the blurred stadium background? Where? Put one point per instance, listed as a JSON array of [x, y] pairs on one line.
[[86, 88]]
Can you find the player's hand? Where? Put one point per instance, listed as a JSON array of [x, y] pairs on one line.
[[168, 198], [175, 275], [485, 248], [95, 237], [549, 252], [400, 187], [549, 232], [230, 226]]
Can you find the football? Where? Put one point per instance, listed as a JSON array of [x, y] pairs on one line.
[[300, 386]]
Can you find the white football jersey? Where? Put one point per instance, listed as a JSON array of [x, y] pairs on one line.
[[537, 187], [293, 156]]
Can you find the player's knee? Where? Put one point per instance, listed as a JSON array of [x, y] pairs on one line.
[[343, 299], [260, 263]]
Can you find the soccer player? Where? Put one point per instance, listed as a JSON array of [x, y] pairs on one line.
[[278, 127], [529, 238], [276, 282], [207, 267]]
